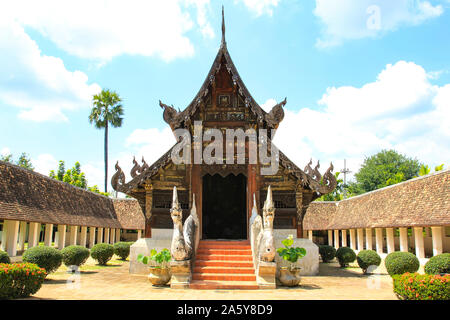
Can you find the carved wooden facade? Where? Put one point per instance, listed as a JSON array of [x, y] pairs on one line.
[[223, 102]]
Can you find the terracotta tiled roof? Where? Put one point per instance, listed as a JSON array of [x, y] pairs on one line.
[[129, 213], [29, 196], [423, 201]]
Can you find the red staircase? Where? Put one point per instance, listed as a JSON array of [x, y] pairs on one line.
[[224, 265]]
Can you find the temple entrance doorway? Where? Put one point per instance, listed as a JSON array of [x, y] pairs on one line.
[[224, 207]]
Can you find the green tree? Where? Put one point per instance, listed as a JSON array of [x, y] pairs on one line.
[[7, 158], [425, 169], [338, 192], [24, 161], [383, 169], [107, 110]]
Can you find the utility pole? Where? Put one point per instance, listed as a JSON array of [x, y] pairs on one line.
[[345, 171]]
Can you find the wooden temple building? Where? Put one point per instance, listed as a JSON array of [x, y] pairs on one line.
[[223, 192]]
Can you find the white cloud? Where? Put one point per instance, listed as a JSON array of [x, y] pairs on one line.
[[260, 7], [44, 163], [268, 105], [5, 151], [355, 19], [104, 29], [401, 110], [39, 85]]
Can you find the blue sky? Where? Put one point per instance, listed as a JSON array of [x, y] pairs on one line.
[[359, 75]]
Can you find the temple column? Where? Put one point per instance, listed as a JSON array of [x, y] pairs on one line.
[[83, 236], [112, 237], [139, 234], [33, 234], [310, 235], [336, 239], [48, 237], [436, 233], [369, 242], [100, 235], [148, 210], [403, 239], [379, 240], [344, 237], [91, 236], [418, 242], [61, 236], [12, 233], [73, 235], [352, 239], [330, 237], [299, 216], [117, 235], [106, 235], [390, 240], [22, 235], [360, 233]]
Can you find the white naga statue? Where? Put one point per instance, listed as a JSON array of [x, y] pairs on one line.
[[184, 240], [261, 230]]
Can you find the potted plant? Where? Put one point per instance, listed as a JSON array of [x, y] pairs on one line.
[[290, 276], [160, 270]]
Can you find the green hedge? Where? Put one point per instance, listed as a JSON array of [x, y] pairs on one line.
[[122, 249], [327, 252], [45, 257], [345, 255], [367, 258], [401, 262], [414, 286], [19, 280], [4, 258], [102, 252], [438, 264], [75, 255]]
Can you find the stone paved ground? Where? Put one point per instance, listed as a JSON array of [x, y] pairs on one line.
[[114, 282]]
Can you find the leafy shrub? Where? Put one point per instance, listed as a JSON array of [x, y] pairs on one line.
[[122, 249], [19, 280], [102, 252], [438, 264], [45, 257], [327, 252], [75, 255], [4, 258], [414, 286], [401, 262], [161, 258], [289, 253], [345, 255], [367, 258]]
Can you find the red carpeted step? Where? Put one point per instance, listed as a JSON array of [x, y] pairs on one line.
[[217, 285]]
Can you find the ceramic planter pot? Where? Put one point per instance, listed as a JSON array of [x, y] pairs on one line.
[[290, 277], [159, 276]]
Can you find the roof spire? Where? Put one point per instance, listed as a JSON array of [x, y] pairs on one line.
[[223, 28]]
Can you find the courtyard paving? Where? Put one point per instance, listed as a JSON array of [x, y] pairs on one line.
[[114, 282]]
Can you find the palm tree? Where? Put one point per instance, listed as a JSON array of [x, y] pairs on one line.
[[107, 109]]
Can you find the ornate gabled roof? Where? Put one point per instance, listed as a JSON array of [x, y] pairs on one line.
[[180, 119]]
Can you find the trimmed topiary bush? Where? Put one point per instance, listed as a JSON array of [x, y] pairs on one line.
[[438, 264], [414, 286], [75, 255], [45, 257], [102, 252], [19, 280], [401, 262], [4, 258], [327, 252], [367, 258], [345, 255], [122, 249]]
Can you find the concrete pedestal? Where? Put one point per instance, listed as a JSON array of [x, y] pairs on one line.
[[181, 274], [266, 275]]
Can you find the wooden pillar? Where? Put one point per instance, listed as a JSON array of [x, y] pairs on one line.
[[299, 206], [148, 210], [112, 236], [251, 189], [344, 237], [310, 235], [12, 234], [418, 242], [91, 236], [403, 239], [352, 239], [48, 238], [100, 235], [83, 236], [336, 239], [118, 235], [61, 236], [390, 240], [360, 233], [73, 235], [106, 235], [436, 233], [33, 234], [369, 242], [330, 237], [379, 240], [196, 188], [22, 235]]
